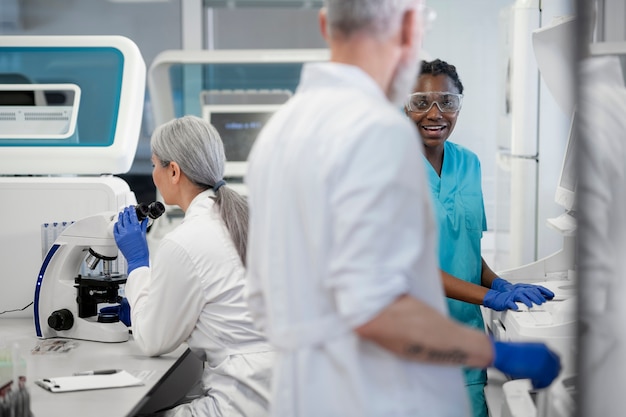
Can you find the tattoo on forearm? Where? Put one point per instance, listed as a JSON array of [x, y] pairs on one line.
[[414, 350], [451, 356]]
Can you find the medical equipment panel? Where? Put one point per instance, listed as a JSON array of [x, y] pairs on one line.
[[70, 113], [38, 112], [236, 90], [69, 105]]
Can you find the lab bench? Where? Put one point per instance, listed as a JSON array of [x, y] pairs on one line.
[[166, 378]]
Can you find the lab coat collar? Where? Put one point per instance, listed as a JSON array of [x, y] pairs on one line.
[[200, 202], [331, 74]]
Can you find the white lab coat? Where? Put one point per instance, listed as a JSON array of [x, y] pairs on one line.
[[341, 225], [194, 292], [601, 196]]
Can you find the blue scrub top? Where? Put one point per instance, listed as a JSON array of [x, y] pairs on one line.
[[460, 212]]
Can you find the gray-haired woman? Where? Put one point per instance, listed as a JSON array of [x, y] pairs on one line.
[[193, 290]]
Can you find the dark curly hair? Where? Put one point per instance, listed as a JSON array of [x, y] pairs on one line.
[[437, 67]]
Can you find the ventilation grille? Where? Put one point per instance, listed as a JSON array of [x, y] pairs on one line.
[[32, 116], [29, 122]]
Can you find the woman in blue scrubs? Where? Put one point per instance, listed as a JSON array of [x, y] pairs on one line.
[[454, 176]]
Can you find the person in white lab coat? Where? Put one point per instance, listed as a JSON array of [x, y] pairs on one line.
[[601, 216], [193, 290], [342, 265]]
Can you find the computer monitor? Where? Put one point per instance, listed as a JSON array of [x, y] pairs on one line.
[[238, 126], [566, 187]]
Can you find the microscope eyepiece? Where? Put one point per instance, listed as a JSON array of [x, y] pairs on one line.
[[152, 210], [142, 210], [156, 209]]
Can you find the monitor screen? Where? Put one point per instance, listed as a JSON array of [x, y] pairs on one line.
[[17, 98], [566, 188], [238, 126]]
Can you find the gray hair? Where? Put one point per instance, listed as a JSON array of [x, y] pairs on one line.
[[195, 145], [380, 18]]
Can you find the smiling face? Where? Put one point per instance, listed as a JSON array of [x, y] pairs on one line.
[[434, 125]]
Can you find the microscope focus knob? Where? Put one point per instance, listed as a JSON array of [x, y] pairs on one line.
[[61, 319]]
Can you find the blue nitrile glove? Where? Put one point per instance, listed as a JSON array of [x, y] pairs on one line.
[[503, 285], [527, 360], [528, 296], [499, 301], [545, 293], [130, 236], [122, 310]]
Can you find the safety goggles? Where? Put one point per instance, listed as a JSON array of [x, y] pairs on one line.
[[423, 102]]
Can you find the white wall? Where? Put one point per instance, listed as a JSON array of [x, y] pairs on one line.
[[153, 26], [613, 18], [255, 28]]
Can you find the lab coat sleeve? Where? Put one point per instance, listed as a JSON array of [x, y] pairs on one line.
[[253, 291], [255, 299], [602, 154], [378, 213], [165, 299]]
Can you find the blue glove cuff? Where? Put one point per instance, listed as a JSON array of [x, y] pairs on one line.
[[497, 353], [493, 349], [501, 285], [136, 263], [489, 297]]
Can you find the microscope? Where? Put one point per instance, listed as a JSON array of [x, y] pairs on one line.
[[66, 300]]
